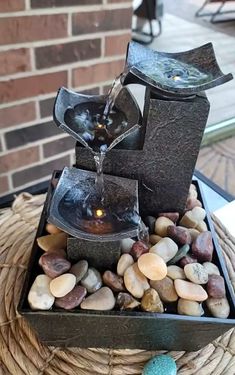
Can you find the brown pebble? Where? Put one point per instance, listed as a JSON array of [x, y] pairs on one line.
[[53, 264], [161, 225], [154, 238], [216, 287], [179, 234], [139, 248], [202, 247], [114, 281], [72, 299], [173, 216], [52, 229], [151, 301], [188, 259], [165, 289], [53, 241], [191, 203], [125, 301]]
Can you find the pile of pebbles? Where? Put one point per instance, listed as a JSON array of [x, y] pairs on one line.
[[173, 273]]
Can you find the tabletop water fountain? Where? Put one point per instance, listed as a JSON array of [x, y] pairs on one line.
[[131, 162], [147, 160]]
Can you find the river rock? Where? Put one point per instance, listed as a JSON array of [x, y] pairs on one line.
[[125, 301], [124, 262], [150, 223], [175, 272], [139, 248], [52, 229], [53, 241], [202, 247], [216, 287], [161, 225], [196, 273], [211, 268], [188, 220], [191, 308], [72, 299], [79, 269], [198, 213], [165, 289], [180, 254], [135, 282], [101, 300], [160, 365], [40, 297], [151, 301], [154, 238], [218, 307], [194, 233], [152, 266], [190, 291], [126, 245], [165, 248], [179, 234], [191, 203], [62, 285], [188, 259], [192, 192], [92, 280], [173, 216], [114, 281], [202, 227], [53, 264]]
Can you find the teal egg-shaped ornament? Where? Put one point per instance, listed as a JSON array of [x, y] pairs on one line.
[[160, 365]]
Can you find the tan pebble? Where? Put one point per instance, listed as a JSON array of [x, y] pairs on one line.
[[192, 192], [188, 220], [191, 308], [161, 225], [102, 300], [211, 268], [52, 229], [166, 248], [165, 289], [202, 227], [194, 233], [175, 272], [152, 266], [135, 282], [151, 301], [198, 213], [196, 273], [62, 285], [190, 291], [124, 262], [53, 241], [218, 307], [154, 238]]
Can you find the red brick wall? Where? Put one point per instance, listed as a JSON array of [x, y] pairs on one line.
[[45, 44]]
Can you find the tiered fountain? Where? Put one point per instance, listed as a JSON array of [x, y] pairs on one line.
[[129, 165]]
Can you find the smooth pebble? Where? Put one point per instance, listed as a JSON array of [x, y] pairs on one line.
[[126, 245], [202, 247], [125, 301], [53, 241], [161, 225], [40, 296], [166, 248], [92, 280], [151, 301], [173, 216], [154, 238], [216, 286], [79, 269], [62, 285], [191, 308], [196, 273], [190, 291], [218, 307], [165, 289], [124, 262], [101, 300], [152, 266], [188, 259], [211, 268], [114, 281], [180, 254], [175, 272], [52, 229], [53, 264], [135, 282], [139, 248], [72, 299], [179, 234]]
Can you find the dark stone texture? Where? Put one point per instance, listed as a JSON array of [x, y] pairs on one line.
[[20, 137], [61, 3], [101, 255], [66, 53], [165, 166]]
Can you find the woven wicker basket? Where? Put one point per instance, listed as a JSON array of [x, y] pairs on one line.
[[20, 351]]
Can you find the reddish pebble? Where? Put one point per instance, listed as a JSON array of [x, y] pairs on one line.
[[72, 299], [179, 234], [173, 216], [187, 260], [114, 281], [53, 264], [202, 247], [139, 248], [216, 287], [191, 203]]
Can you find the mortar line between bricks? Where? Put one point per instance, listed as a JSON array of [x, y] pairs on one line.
[[55, 41], [69, 25], [37, 110], [25, 125], [63, 67], [66, 10], [102, 47], [40, 162], [4, 147], [28, 184], [32, 59], [47, 96]]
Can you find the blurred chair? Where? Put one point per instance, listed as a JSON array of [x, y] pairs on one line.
[[218, 12], [148, 15]]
